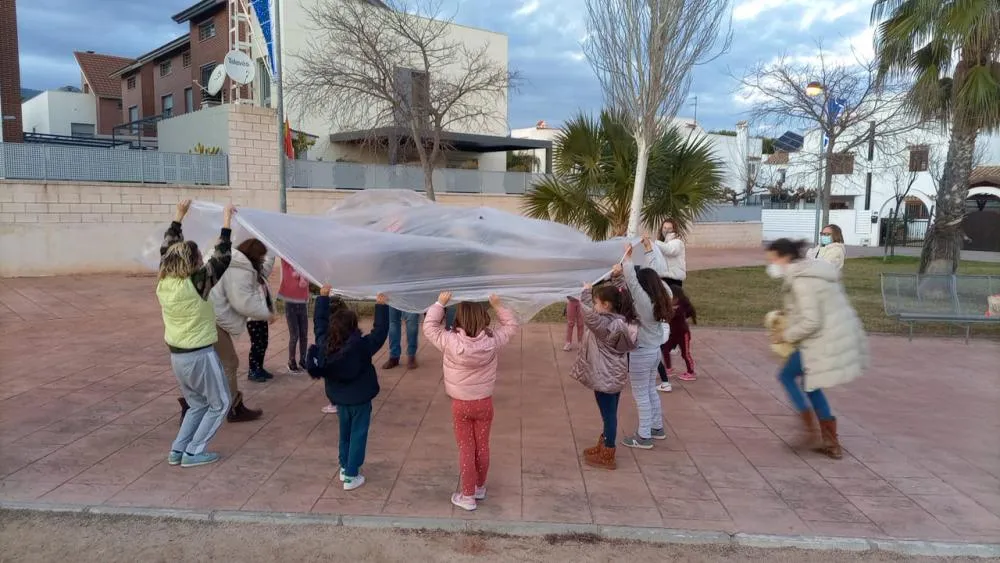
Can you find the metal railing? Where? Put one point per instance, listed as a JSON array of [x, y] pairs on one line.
[[33, 161], [353, 176]]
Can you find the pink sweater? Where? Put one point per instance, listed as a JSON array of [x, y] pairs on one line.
[[470, 363], [294, 288]]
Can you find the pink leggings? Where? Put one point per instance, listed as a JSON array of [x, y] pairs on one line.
[[472, 421], [574, 318]]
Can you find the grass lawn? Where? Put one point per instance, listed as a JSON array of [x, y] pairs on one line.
[[740, 297]]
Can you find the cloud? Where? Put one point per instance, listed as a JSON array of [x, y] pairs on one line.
[[527, 8], [808, 12]]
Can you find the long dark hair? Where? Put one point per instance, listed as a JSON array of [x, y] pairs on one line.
[[788, 248], [255, 251], [343, 324], [663, 307], [619, 298], [659, 234], [683, 301]]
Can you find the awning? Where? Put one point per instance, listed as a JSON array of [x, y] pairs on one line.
[[465, 142]]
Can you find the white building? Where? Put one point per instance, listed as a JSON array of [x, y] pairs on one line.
[[478, 146], [912, 162], [740, 153], [60, 112]]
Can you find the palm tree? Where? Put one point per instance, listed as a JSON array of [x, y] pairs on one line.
[[594, 165], [950, 49]]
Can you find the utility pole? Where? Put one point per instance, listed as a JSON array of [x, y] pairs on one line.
[[276, 40]]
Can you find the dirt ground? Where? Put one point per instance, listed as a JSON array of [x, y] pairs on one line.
[[43, 537]]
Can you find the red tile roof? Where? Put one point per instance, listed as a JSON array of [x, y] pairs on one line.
[[97, 70], [985, 175], [777, 158]]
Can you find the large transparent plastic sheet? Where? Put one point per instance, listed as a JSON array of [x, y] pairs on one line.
[[399, 243]]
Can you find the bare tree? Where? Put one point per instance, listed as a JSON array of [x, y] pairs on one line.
[[376, 67], [903, 177], [853, 108], [642, 52]]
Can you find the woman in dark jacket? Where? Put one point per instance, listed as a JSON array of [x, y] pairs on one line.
[[342, 357]]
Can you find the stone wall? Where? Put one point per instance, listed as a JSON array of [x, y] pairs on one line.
[[55, 228]]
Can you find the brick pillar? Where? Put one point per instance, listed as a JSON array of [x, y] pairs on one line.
[[10, 74], [253, 156]]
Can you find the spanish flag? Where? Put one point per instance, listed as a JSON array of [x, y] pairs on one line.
[[289, 147]]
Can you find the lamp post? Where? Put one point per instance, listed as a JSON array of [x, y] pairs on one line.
[[828, 114]]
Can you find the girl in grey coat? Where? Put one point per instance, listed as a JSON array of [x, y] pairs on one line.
[[602, 365]]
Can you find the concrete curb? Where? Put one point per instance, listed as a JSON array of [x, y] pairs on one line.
[[535, 529]]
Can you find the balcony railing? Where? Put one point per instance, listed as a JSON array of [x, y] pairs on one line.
[[352, 176]]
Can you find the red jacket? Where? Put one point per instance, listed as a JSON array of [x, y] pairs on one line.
[[294, 288]]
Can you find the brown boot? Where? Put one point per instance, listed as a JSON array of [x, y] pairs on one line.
[[603, 459], [595, 449], [184, 408], [411, 363], [809, 439], [391, 363], [831, 445], [240, 413]]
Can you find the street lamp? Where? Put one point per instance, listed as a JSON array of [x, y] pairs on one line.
[[814, 89]]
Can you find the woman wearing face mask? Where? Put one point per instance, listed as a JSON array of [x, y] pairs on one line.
[[830, 343], [831, 246], [672, 247]]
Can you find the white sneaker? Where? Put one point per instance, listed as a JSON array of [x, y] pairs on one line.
[[665, 387], [343, 476], [463, 502], [330, 409], [567, 347], [351, 483], [480, 493]]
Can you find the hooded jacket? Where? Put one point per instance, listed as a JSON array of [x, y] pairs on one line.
[[821, 322], [675, 260], [834, 253], [239, 296], [603, 361], [348, 375], [470, 362]]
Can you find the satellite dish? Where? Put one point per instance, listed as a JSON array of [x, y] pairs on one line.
[[240, 68], [216, 80]]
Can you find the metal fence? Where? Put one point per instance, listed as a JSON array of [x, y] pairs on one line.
[[352, 176], [32, 161]]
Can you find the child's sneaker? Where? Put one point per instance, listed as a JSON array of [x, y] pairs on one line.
[[293, 367], [330, 409], [687, 376], [343, 476], [665, 387], [567, 347], [481, 493], [637, 442], [658, 434], [175, 457], [351, 483], [196, 460], [463, 502]]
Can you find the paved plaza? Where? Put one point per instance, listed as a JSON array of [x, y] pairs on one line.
[[88, 409]]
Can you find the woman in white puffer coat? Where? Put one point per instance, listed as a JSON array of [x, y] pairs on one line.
[[831, 347]]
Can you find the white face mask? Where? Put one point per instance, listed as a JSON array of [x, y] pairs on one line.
[[670, 236], [775, 271]]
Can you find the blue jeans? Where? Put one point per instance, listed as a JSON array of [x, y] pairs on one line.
[[791, 377], [607, 403], [412, 320], [354, 423]]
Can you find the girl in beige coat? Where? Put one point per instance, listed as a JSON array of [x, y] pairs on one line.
[[830, 343], [602, 364]]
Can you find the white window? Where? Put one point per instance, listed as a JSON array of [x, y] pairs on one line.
[[167, 104], [186, 59], [206, 31], [133, 116], [130, 83], [165, 68]]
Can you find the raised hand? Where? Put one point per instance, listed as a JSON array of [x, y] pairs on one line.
[[227, 216], [381, 299], [628, 250], [647, 243], [444, 298], [325, 290], [616, 270], [495, 301], [182, 208]]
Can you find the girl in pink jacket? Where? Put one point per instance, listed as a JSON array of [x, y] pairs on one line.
[[471, 354]]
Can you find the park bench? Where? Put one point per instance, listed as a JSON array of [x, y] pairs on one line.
[[942, 298]]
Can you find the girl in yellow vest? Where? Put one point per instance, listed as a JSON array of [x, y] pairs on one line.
[[189, 330]]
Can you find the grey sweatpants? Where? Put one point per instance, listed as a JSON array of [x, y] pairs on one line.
[[642, 375], [203, 384]]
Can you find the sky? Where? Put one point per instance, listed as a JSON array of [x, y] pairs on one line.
[[544, 46]]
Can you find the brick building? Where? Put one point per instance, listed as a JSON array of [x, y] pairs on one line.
[[10, 75], [96, 79]]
